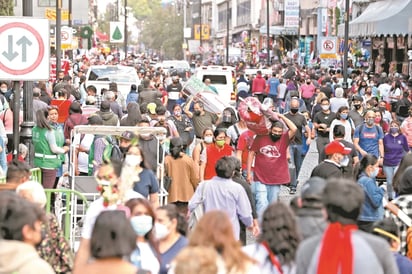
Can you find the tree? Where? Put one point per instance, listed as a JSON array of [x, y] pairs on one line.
[[6, 7], [143, 9]]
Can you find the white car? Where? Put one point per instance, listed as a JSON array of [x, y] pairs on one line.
[[102, 76]]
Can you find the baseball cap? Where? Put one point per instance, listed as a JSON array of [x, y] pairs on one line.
[[128, 135], [337, 147], [105, 106], [151, 107]]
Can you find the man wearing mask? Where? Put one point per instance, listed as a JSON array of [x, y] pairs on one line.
[[267, 152], [150, 146], [173, 93], [331, 167], [321, 122], [356, 114], [295, 147], [368, 138], [307, 92], [201, 118], [126, 140]]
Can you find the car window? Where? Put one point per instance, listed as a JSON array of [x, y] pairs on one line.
[[216, 79], [113, 74]]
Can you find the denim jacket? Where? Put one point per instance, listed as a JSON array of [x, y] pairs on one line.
[[372, 208]]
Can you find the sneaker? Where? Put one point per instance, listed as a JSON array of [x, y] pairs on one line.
[[292, 191]]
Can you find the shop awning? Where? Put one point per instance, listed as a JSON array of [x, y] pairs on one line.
[[388, 17], [278, 30]]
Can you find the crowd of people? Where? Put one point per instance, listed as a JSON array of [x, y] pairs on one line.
[[334, 224]]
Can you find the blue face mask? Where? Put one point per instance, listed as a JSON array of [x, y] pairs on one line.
[[142, 224], [344, 116]]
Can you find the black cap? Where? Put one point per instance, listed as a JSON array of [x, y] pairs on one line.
[[312, 191], [128, 135]]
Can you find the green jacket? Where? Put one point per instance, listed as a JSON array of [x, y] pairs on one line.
[[43, 156]]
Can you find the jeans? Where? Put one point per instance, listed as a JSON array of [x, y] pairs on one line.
[[296, 159], [389, 172], [264, 195]]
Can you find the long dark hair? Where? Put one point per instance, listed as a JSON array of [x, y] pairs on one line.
[[173, 213], [366, 161], [403, 165], [41, 118], [279, 231]]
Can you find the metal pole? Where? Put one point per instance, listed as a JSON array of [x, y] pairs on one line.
[[28, 124], [16, 112], [200, 22], [125, 30], [346, 47], [227, 32], [70, 13], [184, 27], [58, 35], [267, 33]]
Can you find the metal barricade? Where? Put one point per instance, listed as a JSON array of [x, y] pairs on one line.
[[70, 207]]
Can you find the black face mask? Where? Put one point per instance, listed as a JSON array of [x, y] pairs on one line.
[[197, 112], [275, 137], [124, 150], [357, 106], [294, 110]]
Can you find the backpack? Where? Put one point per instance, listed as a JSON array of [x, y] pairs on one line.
[[112, 150]]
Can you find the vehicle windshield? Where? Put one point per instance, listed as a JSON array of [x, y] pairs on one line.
[[113, 74], [176, 64]]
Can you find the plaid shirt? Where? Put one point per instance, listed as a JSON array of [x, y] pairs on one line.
[[98, 101], [404, 202]]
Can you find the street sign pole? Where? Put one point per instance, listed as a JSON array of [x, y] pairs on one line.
[[16, 118], [28, 124]]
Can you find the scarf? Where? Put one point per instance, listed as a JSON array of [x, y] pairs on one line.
[[336, 252]]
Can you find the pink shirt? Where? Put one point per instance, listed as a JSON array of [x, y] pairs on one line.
[[307, 91]]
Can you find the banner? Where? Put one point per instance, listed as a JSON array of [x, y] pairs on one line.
[[291, 14], [51, 14]]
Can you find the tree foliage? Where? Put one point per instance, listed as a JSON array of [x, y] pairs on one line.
[[143, 9], [163, 31], [6, 7]]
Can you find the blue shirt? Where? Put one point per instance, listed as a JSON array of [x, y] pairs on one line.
[[369, 138], [226, 195], [148, 183], [167, 257], [273, 85]]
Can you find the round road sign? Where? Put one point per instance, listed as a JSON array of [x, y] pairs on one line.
[[328, 45], [22, 28]]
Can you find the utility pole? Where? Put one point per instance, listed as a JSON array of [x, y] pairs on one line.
[[125, 30], [70, 13], [267, 33], [227, 32], [346, 47], [201, 30], [57, 37]]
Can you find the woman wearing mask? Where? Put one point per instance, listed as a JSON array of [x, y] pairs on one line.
[[181, 169], [144, 180], [342, 118], [395, 146], [146, 254], [214, 152], [183, 125], [199, 152], [379, 121], [171, 230], [48, 146], [59, 133], [372, 209]]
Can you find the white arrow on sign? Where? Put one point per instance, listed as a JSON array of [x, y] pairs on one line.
[[25, 52]]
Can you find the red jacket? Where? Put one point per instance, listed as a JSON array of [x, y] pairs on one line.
[[258, 84]]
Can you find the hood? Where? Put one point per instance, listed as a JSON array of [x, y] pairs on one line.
[[259, 76], [14, 255], [106, 116]]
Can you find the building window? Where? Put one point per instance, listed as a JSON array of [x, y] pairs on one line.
[[243, 12], [47, 3], [222, 18]]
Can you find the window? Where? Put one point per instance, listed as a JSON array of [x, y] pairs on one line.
[[222, 19], [243, 12], [47, 3]]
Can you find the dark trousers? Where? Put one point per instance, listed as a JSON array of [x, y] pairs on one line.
[[321, 142], [48, 177]]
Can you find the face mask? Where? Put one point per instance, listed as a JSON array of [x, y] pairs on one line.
[[226, 119], [177, 113], [208, 139], [142, 224], [220, 143], [161, 231], [275, 137], [3, 90], [294, 110], [133, 160], [124, 149], [394, 130], [382, 109], [161, 137], [378, 119], [344, 116], [374, 173], [325, 107], [197, 112], [307, 83], [344, 161], [357, 106], [370, 121]]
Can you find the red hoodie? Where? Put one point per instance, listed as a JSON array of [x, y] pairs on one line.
[[258, 84]]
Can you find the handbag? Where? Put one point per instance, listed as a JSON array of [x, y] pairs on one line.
[[198, 212], [167, 180]]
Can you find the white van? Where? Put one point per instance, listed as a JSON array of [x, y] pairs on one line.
[[102, 76], [220, 78]]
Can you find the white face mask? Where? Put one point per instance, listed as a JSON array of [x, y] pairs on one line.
[[208, 139], [161, 231], [3, 90], [141, 224], [132, 160], [344, 161], [324, 107]]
